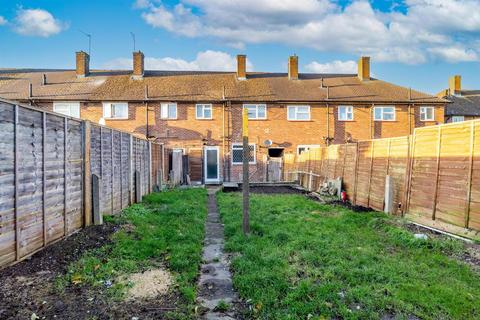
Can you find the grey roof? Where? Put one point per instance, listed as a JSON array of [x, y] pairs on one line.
[[465, 104]]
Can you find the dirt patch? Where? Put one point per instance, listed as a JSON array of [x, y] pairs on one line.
[[29, 287], [275, 190], [149, 284]]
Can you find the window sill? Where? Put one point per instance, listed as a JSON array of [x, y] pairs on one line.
[[310, 120], [204, 119], [115, 119], [348, 120], [241, 164]]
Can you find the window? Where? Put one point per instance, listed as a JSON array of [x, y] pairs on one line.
[[71, 109], [427, 114], [237, 153], [256, 111], [306, 147], [345, 113], [115, 110], [384, 113], [458, 118], [168, 111], [203, 111], [298, 113]]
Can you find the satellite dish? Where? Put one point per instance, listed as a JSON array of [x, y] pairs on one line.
[[267, 143]]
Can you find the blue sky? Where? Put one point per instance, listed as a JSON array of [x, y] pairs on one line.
[[417, 43]]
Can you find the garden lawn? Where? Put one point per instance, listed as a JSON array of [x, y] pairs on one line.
[[165, 230], [304, 260]]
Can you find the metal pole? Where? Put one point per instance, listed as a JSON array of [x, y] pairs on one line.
[[246, 185]]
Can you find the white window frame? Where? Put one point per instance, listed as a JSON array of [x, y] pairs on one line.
[[256, 105], [383, 112], [456, 119], [164, 111], [204, 106], [423, 112], [296, 112], [70, 104], [241, 147], [307, 147], [108, 114], [348, 111]]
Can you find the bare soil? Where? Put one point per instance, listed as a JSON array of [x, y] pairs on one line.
[[28, 287]]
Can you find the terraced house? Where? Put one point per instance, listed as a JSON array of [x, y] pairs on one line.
[[200, 113]]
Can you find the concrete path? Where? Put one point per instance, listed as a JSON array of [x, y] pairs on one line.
[[215, 283]]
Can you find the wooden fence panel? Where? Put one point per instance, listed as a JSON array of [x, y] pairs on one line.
[[424, 171], [364, 165], [474, 197], [7, 181], [453, 173], [381, 149], [397, 169], [74, 176], [350, 169]]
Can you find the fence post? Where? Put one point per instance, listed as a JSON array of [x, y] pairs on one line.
[[388, 194], [470, 168], [87, 178], [130, 171], [437, 175], [16, 167], [150, 172], [44, 177], [310, 180], [112, 180], [372, 142], [357, 153], [97, 215], [65, 162], [138, 187]]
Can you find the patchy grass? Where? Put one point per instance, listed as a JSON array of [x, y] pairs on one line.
[[304, 260], [167, 230]]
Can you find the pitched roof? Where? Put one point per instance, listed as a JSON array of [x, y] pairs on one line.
[[201, 86], [467, 103]]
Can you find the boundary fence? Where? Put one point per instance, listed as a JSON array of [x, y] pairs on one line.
[[435, 175], [49, 168]]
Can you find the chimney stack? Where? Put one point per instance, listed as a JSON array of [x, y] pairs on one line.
[[455, 85], [138, 65], [364, 68], [293, 67], [241, 67], [83, 64]]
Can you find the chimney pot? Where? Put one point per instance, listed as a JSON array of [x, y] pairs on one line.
[[241, 67], [83, 64], [364, 68], [293, 67], [138, 65], [455, 85]]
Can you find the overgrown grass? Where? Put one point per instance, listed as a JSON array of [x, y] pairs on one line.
[[167, 229], [304, 260]]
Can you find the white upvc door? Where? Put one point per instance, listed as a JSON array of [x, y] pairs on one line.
[[211, 160]]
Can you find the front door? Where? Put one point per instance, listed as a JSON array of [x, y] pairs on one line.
[[211, 167]]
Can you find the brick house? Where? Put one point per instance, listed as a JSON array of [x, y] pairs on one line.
[[464, 104], [200, 112]]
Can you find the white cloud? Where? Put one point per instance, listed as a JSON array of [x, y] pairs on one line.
[[37, 22], [455, 54], [3, 21], [206, 61], [336, 66], [141, 4], [410, 36]]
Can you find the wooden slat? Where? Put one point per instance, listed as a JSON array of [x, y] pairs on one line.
[[16, 167]]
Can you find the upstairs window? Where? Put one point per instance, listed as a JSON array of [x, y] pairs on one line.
[[71, 109], [203, 111], [237, 153], [298, 113], [256, 111], [427, 113], [458, 118], [384, 113], [115, 110], [168, 111], [345, 113]]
